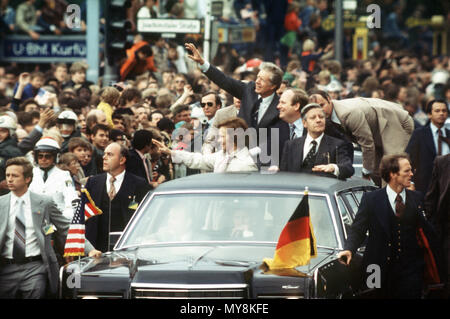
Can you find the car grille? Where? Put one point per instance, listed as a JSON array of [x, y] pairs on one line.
[[174, 291]]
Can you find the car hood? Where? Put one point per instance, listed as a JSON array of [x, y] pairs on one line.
[[145, 261]]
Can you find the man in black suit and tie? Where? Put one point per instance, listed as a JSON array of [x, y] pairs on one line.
[[258, 104], [137, 163], [114, 192], [316, 152], [427, 142], [392, 215]]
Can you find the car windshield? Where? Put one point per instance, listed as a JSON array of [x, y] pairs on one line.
[[225, 217]]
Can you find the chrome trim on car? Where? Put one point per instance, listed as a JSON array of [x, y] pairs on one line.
[[331, 211], [61, 271], [186, 291], [136, 216], [188, 286], [340, 213], [316, 276]]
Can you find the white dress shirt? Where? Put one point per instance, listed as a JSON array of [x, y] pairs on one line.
[[307, 147], [298, 127], [392, 195], [32, 246], [434, 132], [117, 182], [265, 103]]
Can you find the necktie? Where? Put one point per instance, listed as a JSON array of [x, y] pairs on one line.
[[19, 233], [255, 111], [399, 206], [45, 175], [309, 159], [292, 134], [112, 189]]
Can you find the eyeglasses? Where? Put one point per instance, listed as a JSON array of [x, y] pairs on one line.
[[46, 156], [210, 104]]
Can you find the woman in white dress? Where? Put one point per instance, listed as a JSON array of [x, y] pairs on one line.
[[233, 157]]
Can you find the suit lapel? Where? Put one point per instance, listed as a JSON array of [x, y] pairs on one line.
[[321, 154], [271, 113], [429, 141], [299, 143], [383, 211], [37, 212]]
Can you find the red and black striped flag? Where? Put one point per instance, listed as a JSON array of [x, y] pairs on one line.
[[297, 244], [76, 235]]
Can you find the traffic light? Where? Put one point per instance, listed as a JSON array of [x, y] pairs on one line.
[[116, 29]]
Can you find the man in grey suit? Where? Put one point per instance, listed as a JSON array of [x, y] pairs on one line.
[[379, 127], [28, 264]]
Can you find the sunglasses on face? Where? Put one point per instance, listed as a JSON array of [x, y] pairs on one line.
[[46, 156], [210, 104]]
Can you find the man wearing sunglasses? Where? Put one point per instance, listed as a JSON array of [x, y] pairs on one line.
[[50, 180], [210, 104]]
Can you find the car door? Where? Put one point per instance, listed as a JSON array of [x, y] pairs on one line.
[[345, 281]]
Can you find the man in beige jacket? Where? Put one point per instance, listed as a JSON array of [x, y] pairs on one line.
[[380, 127]]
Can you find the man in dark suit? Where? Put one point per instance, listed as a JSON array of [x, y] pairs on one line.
[[137, 163], [258, 104], [392, 215], [114, 192], [316, 152], [426, 143], [28, 263], [437, 206]]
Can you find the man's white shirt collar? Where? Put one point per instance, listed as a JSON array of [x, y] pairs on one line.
[[25, 197], [392, 195]]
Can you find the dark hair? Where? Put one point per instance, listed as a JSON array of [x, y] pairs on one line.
[[25, 163], [26, 118], [180, 108], [129, 95], [76, 104], [75, 142], [141, 139], [216, 96], [117, 116], [166, 124], [114, 134], [390, 164], [318, 92], [146, 49], [100, 127], [429, 107], [24, 104]]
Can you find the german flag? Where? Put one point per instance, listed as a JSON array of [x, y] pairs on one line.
[[297, 243]]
